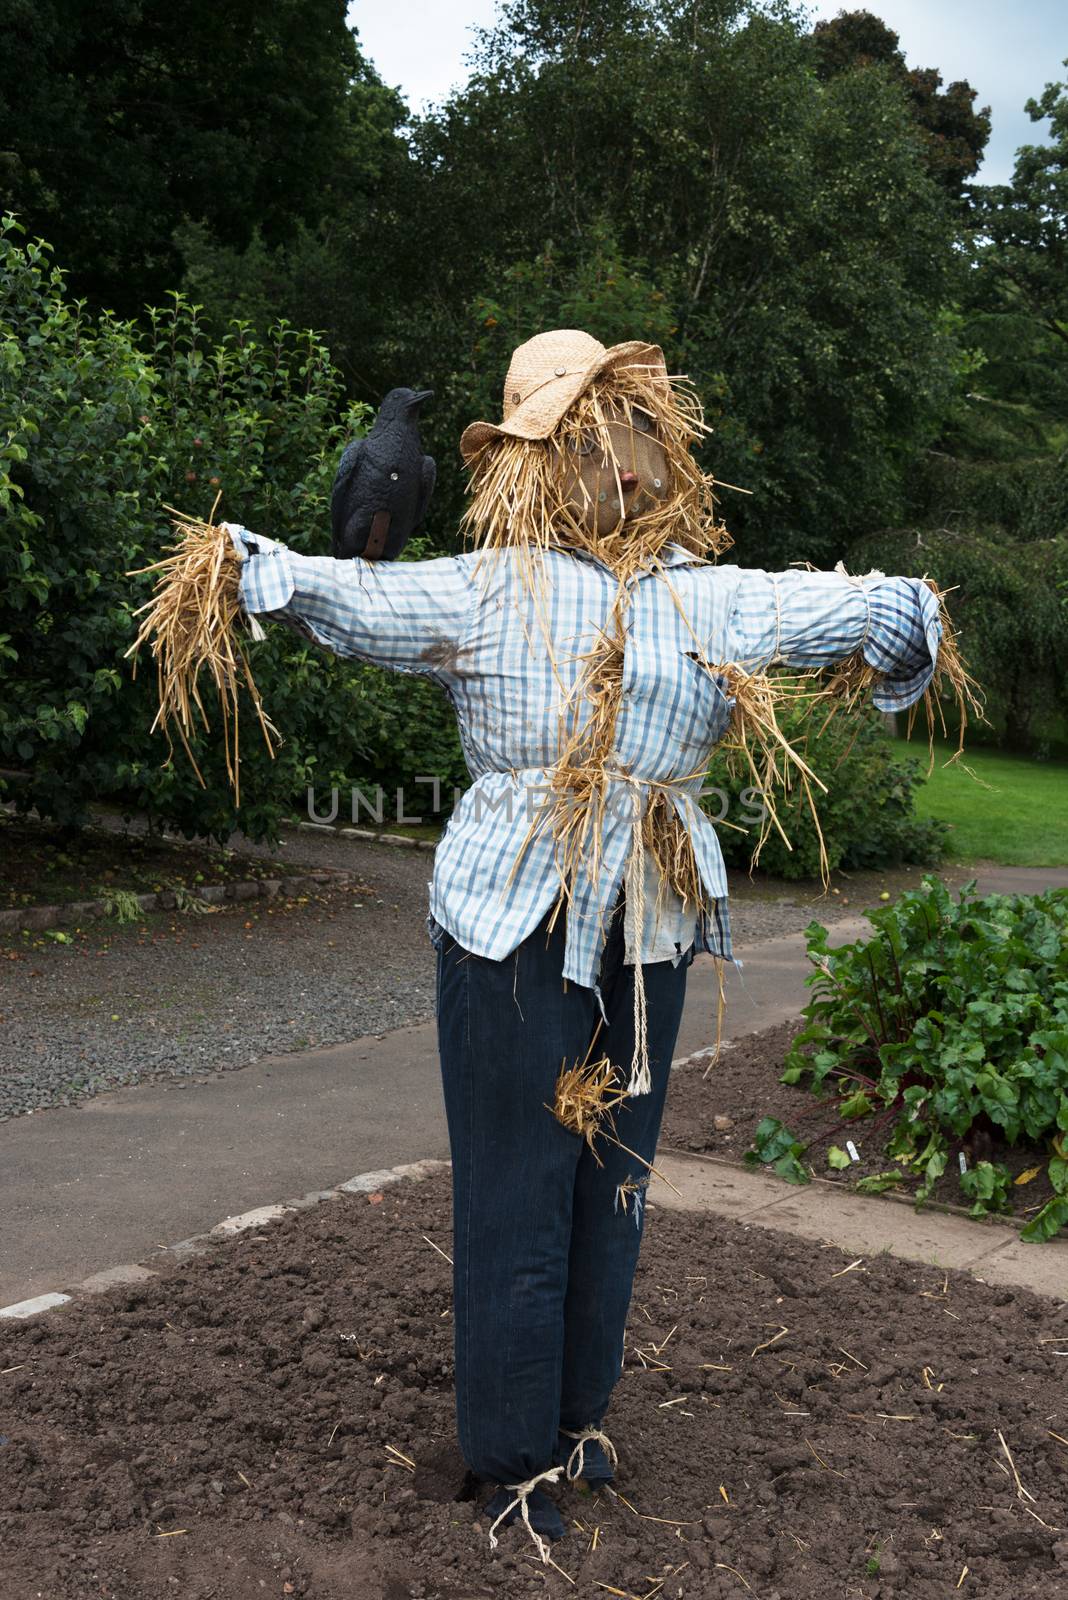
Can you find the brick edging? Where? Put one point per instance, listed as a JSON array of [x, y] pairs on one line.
[[30, 919], [368, 836]]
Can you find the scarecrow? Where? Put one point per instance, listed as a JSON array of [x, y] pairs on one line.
[[595, 652]]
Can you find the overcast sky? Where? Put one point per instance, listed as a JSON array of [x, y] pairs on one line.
[[1006, 49]]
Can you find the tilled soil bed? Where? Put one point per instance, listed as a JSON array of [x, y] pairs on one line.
[[716, 1105], [275, 1418]]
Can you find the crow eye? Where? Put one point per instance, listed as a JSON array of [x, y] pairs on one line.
[[394, 476]]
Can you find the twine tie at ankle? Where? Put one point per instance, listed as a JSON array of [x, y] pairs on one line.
[[522, 1492], [588, 1436]]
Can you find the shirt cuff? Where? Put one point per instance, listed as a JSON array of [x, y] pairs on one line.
[[267, 581], [904, 635]]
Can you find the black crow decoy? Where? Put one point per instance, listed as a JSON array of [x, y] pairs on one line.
[[383, 483]]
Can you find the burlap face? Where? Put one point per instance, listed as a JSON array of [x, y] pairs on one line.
[[596, 473]]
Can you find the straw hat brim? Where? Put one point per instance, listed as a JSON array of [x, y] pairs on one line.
[[537, 416]]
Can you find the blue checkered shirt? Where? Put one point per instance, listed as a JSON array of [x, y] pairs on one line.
[[508, 654]]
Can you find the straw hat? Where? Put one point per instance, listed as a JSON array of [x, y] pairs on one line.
[[546, 376]]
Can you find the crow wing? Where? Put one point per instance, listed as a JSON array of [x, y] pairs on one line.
[[429, 478], [344, 498]]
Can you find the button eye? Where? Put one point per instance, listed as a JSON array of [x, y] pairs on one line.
[[641, 421]]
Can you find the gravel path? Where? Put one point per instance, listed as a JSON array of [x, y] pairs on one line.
[[185, 996], [182, 996]]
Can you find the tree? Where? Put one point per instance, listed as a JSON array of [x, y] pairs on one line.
[[1002, 460], [796, 236], [954, 134], [103, 424], [121, 120], [1023, 226]]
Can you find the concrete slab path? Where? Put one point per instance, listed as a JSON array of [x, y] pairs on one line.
[[82, 1189], [823, 1213]]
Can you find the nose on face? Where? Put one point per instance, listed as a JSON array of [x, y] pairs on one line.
[[628, 480]]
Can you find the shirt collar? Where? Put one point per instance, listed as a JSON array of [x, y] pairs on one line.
[[672, 555]]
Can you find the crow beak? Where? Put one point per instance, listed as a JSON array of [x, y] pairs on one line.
[[421, 395]]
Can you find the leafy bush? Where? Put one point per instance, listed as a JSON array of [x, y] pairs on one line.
[[101, 427], [951, 1019], [866, 816]]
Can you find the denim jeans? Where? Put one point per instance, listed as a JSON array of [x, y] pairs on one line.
[[544, 1248]]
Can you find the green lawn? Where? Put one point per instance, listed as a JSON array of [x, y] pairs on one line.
[[1021, 819]]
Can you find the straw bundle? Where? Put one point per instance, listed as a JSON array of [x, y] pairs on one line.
[[850, 681], [756, 744], [193, 625], [586, 1096], [668, 842], [578, 783]]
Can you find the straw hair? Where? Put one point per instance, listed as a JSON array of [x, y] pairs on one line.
[[195, 623], [519, 487]]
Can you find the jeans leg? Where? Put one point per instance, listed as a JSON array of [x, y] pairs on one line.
[[606, 1236], [504, 1028]]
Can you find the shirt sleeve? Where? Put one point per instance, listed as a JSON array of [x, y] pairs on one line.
[[410, 615], [819, 619]]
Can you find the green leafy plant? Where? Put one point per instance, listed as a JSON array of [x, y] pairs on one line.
[[880, 1182], [121, 904], [774, 1145], [951, 1020], [192, 903], [988, 1185]]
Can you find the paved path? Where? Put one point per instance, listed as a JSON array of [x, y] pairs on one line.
[[84, 1190], [81, 1190]]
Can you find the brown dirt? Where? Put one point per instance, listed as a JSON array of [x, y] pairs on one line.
[[224, 1433], [744, 1086]]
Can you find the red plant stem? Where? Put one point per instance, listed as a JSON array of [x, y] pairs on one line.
[[875, 990], [858, 1077]]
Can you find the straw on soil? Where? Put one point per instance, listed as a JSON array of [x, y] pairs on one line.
[[193, 625]]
